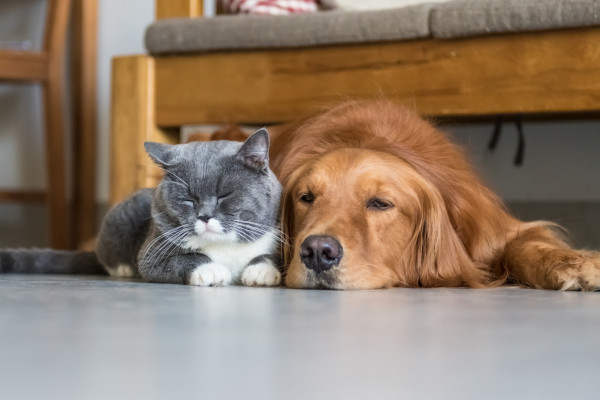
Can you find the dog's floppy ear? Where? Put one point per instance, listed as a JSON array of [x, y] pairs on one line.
[[437, 252], [287, 221], [287, 216]]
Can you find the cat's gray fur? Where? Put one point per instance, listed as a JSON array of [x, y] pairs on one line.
[[211, 221]]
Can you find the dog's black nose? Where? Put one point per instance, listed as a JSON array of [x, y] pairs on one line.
[[320, 252]]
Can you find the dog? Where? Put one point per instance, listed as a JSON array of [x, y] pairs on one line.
[[377, 197]]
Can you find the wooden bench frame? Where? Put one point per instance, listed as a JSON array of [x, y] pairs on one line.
[[540, 73]]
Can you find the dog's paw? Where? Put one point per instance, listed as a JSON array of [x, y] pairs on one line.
[[261, 274], [211, 274], [580, 274]]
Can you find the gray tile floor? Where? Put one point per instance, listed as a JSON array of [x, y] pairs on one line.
[[93, 338]]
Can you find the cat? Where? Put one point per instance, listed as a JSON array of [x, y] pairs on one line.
[[211, 221]]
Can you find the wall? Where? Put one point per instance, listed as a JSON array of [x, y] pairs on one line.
[[21, 146], [561, 160], [121, 26]]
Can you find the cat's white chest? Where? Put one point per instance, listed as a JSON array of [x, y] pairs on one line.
[[233, 255]]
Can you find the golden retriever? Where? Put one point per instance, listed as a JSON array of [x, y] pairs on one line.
[[376, 197]]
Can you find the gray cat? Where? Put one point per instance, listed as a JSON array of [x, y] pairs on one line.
[[212, 221]]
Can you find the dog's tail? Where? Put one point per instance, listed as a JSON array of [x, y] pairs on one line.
[[47, 261]]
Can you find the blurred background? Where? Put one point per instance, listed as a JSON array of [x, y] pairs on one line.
[[558, 179]]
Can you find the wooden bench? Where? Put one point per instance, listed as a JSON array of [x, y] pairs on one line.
[[524, 73]]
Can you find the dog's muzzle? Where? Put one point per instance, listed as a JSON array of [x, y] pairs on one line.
[[320, 252]]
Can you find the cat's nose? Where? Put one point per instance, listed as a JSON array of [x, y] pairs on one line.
[[321, 252], [203, 218]]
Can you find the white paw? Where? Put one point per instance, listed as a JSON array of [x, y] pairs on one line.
[[211, 274], [261, 274], [122, 271]]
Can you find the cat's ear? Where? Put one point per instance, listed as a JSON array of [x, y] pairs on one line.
[[160, 153], [255, 150]]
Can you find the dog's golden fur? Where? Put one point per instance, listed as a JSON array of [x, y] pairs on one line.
[[435, 224]]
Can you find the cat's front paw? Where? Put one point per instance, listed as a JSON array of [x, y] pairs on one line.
[[121, 271], [211, 274], [261, 274]]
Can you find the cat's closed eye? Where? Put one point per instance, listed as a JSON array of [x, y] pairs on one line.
[[224, 195], [187, 203]]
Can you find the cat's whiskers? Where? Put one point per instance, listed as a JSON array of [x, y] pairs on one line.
[[156, 239], [284, 238], [260, 234], [265, 227], [254, 230], [256, 225], [280, 236], [155, 254], [275, 233], [164, 236], [176, 244], [246, 222], [238, 230], [166, 233], [243, 235], [168, 246]]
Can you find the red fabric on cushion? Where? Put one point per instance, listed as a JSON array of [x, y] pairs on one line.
[[269, 7]]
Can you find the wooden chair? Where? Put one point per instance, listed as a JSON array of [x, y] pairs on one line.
[[522, 73], [46, 67]]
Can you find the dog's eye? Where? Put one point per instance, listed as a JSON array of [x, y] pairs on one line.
[[307, 198], [378, 204]]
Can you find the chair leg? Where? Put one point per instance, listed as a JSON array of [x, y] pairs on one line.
[[83, 78], [55, 165]]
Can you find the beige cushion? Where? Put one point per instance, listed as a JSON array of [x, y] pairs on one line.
[[461, 18], [379, 4], [457, 18], [300, 30]]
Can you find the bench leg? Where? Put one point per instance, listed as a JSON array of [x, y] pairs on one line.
[[133, 123]]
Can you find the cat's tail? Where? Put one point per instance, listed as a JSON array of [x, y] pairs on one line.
[[47, 261]]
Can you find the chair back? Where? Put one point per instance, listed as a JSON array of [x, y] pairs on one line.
[[57, 21]]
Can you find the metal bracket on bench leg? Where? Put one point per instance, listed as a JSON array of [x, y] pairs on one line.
[[496, 133], [521, 142], [519, 156]]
